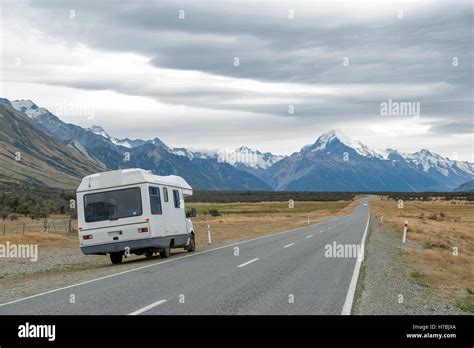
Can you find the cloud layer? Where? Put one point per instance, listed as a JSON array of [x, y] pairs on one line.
[[169, 69]]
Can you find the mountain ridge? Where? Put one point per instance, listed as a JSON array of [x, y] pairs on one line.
[[333, 162], [27, 154]]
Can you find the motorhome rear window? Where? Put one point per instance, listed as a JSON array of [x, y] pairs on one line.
[[112, 205]]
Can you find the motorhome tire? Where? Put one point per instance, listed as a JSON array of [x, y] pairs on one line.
[[192, 245], [116, 258], [165, 252], [149, 254]]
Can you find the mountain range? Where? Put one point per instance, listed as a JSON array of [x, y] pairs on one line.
[[334, 162], [29, 155]]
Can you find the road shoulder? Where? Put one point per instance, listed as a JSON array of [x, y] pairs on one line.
[[385, 284]]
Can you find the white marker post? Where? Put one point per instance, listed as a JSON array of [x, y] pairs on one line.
[[209, 234], [381, 218], [308, 220], [405, 229]]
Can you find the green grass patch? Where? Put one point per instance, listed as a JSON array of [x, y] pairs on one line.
[[418, 279], [465, 304], [427, 245]]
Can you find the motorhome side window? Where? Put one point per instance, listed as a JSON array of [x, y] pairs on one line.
[[176, 198], [155, 200], [165, 194], [112, 205]]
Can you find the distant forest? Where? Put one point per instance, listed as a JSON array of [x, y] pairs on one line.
[[272, 196], [40, 201], [37, 202]]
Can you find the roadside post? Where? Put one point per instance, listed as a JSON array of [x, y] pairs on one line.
[[381, 218], [209, 234], [405, 229]]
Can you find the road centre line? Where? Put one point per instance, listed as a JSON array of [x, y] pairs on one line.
[[146, 308], [248, 262]]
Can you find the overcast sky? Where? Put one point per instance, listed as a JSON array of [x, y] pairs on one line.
[[269, 75]]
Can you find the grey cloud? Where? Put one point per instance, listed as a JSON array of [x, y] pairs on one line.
[[456, 128], [416, 50]]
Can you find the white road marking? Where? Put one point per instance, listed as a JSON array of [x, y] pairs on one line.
[[144, 309], [246, 263], [309, 236], [347, 308], [321, 231], [288, 245]]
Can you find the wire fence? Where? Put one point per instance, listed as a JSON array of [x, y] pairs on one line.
[[63, 226]]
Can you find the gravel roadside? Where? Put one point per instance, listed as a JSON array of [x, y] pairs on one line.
[[385, 284]]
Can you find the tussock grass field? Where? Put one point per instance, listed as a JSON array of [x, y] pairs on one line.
[[248, 220], [269, 208], [437, 230]]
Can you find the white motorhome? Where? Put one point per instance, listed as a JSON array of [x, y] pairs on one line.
[[133, 211]]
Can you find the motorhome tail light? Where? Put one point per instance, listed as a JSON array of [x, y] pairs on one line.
[[143, 229], [86, 237], [147, 220], [80, 228]]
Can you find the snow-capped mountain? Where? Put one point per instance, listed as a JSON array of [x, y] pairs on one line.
[[128, 143], [334, 162], [250, 158], [325, 141], [28, 107], [337, 163], [97, 145], [428, 161], [244, 158], [444, 170]]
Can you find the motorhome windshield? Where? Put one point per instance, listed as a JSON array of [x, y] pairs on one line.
[[112, 205]]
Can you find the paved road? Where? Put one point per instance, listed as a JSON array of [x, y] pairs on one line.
[[285, 273]]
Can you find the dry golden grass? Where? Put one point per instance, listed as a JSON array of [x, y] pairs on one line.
[[35, 238], [255, 219], [57, 224], [436, 229]]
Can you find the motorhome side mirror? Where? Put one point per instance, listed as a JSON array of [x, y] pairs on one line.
[[191, 213]]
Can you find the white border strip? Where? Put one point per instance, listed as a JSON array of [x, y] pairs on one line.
[[347, 308]]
